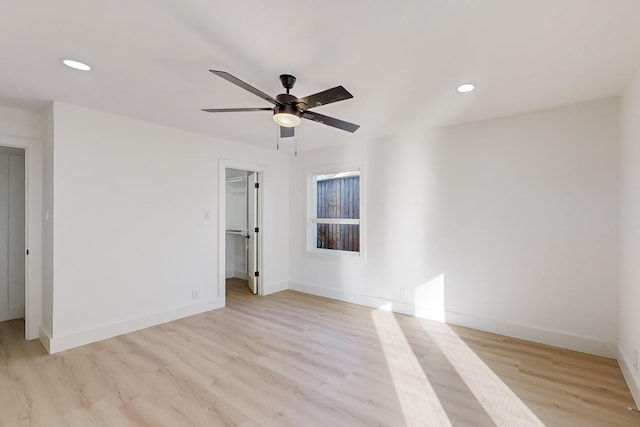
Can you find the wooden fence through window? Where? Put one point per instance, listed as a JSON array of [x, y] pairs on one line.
[[339, 198]]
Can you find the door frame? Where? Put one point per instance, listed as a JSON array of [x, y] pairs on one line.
[[222, 238], [254, 238], [33, 230]]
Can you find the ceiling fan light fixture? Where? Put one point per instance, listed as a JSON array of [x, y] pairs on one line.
[[286, 120], [287, 116]]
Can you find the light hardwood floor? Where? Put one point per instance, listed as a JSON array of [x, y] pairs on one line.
[[299, 360]]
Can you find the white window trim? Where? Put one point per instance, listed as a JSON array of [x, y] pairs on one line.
[[311, 220], [345, 221]]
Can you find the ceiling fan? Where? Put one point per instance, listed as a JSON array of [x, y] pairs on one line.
[[289, 110]]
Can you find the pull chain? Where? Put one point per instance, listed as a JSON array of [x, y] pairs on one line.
[[279, 139]]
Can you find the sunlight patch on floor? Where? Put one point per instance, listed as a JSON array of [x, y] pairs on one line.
[[419, 402], [500, 402]]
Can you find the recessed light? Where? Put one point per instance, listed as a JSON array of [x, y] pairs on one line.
[[76, 65], [467, 87]]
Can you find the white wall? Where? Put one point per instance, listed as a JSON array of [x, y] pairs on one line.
[[629, 332], [516, 218], [19, 123], [236, 256], [131, 240]]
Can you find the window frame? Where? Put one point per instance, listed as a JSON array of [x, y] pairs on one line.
[[312, 208]]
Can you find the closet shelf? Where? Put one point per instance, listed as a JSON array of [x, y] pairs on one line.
[[238, 232]]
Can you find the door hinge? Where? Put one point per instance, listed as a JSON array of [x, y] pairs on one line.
[[257, 229], [256, 274], [256, 185], [27, 251]]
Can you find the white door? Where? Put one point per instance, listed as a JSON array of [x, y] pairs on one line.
[[253, 232], [12, 232]]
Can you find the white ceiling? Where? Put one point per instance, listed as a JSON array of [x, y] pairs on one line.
[[401, 60]]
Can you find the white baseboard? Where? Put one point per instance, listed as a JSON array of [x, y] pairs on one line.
[[339, 295], [236, 274], [366, 300], [76, 339], [12, 313], [45, 338], [633, 381], [542, 336], [273, 288]]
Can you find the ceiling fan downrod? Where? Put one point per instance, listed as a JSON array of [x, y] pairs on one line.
[[287, 81]]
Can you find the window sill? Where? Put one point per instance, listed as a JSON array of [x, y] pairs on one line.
[[331, 253]]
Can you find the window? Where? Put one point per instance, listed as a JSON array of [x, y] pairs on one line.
[[334, 212]]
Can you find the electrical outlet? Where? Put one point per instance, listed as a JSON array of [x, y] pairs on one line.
[[194, 294], [635, 359]]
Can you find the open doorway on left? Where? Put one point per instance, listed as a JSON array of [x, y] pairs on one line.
[[242, 230], [12, 233]]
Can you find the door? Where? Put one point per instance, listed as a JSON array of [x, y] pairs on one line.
[[12, 233], [253, 232]]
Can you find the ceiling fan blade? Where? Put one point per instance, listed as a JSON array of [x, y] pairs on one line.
[[234, 110], [330, 121], [236, 81], [328, 96], [286, 132]]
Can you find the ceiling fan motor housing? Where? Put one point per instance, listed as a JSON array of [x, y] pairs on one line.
[[289, 106], [287, 81]]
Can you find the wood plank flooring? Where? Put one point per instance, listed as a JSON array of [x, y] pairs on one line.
[[292, 359]]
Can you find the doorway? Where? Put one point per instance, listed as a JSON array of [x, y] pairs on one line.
[[32, 255], [12, 233], [240, 226]]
